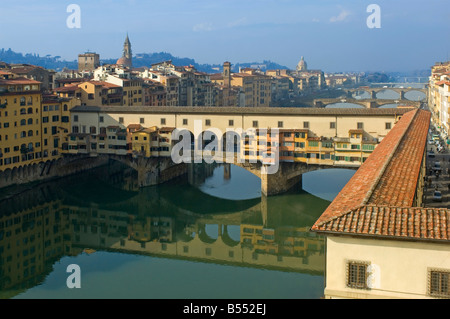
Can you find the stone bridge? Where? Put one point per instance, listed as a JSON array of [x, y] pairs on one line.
[[367, 103], [157, 170], [374, 91]]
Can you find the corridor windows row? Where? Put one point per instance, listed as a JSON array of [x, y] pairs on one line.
[[362, 275]]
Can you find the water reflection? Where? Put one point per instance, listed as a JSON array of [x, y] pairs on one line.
[[104, 213]]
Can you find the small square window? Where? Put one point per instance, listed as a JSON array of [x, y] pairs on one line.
[[439, 281], [255, 123], [185, 122], [141, 120], [357, 275], [280, 124], [360, 125], [163, 121], [208, 122], [332, 125], [305, 124], [388, 125], [230, 122]]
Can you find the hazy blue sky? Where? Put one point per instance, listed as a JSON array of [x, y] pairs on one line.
[[332, 35]]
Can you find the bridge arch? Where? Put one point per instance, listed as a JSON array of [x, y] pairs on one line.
[[385, 90], [415, 92], [203, 235], [226, 237]]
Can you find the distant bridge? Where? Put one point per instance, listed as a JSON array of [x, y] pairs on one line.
[[374, 91], [367, 103]]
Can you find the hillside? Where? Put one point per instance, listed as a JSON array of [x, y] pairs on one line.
[[139, 60]]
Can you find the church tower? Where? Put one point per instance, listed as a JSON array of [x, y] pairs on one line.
[[127, 49], [227, 74], [127, 56]]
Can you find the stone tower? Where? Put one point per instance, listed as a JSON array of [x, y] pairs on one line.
[[226, 84], [126, 59], [127, 48], [227, 74]]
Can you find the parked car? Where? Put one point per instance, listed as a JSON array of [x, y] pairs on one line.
[[437, 167], [431, 154], [437, 196], [431, 142]]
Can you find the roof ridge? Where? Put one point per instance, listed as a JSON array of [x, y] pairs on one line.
[[388, 161], [369, 192]]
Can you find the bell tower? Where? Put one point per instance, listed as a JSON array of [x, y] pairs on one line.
[[127, 49], [227, 74]]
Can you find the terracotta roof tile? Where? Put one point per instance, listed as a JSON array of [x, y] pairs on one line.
[[378, 199], [387, 221]]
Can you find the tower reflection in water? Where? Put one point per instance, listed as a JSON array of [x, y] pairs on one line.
[[87, 213]]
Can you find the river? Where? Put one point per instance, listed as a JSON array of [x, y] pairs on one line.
[[206, 235]]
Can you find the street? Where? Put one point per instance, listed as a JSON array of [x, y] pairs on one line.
[[440, 181]]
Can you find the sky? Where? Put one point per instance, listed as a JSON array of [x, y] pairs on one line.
[[332, 35]]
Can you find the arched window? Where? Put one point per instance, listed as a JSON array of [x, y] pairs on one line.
[[23, 122], [30, 121], [30, 110], [65, 107], [30, 101], [22, 101], [23, 111], [23, 134], [30, 133]]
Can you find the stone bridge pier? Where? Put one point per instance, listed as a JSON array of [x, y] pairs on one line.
[[157, 170], [288, 175], [152, 170]]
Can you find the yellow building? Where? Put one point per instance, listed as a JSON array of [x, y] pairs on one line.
[[55, 125], [141, 141], [31, 240], [255, 86], [96, 93], [20, 123]]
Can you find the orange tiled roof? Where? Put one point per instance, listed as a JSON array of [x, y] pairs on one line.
[[70, 88], [20, 80], [401, 222], [398, 184], [134, 126], [166, 129], [378, 199]]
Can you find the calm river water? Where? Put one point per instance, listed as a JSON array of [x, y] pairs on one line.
[[206, 235]]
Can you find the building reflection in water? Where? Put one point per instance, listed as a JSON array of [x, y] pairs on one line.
[[64, 218]]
